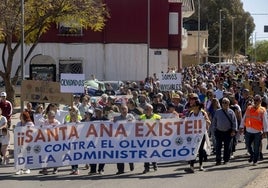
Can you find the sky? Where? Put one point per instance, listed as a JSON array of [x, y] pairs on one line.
[[258, 7]]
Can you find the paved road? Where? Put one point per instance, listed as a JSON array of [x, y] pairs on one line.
[[238, 173]]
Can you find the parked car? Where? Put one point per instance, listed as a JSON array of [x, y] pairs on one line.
[[92, 86], [115, 84]]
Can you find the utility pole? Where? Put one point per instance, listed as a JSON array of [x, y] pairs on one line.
[[220, 38], [148, 38], [22, 49], [246, 40], [232, 39], [198, 37]]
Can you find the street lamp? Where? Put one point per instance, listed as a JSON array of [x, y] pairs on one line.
[[232, 38], [198, 37], [148, 37], [246, 40], [220, 38], [22, 49]]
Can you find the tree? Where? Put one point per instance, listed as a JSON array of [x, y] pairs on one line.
[[39, 15], [231, 10], [259, 51]]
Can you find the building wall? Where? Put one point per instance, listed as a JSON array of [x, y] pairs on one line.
[[106, 61], [189, 54], [128, 24], [119, 52]]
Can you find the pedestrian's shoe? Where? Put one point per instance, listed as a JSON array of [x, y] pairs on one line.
[[146, 170], [218, 163], [27, 171], [189, 170], [86, 166], [155, 168], [92, 173], [255, 164], [55, 171], [19, 172], [101, 172], [119, 172], [201, 168], [43, 171], [74, 172], [250, 160]]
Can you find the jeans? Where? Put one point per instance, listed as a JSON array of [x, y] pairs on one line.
[[253, 141], [225, 138]]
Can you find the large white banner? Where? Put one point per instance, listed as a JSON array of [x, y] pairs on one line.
[[108, 142]]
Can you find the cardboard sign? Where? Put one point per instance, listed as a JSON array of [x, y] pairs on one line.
[[44, 92], [170, 81]]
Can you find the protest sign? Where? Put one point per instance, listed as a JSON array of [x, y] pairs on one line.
[[108, 142], [72, 83], [170, 81], [44, 92]]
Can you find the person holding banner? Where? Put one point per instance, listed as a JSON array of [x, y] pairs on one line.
[[74, 117], [98, 116], [25, 120], [198, 111], [49, 122], [148, 114], [125, 116]]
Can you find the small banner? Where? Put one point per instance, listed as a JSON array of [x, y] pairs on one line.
[[108, 142], [72, 83], [170, 81]]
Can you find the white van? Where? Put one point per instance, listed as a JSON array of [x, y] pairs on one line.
[[224, 65]]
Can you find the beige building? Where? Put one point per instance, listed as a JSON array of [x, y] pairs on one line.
[[190, 48]]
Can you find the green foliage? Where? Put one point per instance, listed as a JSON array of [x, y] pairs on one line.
[[231, 9], [39, 15], [259, 51]]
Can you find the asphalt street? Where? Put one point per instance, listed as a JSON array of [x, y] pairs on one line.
[[238, 173]]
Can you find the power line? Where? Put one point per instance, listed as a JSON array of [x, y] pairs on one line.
[[259, 14]]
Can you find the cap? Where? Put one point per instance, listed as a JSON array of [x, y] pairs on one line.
[[175, 96], [193, 95], [93, 100], [3, 94], [160, 95]]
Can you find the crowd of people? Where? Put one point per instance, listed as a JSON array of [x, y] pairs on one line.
[[232, 102]]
